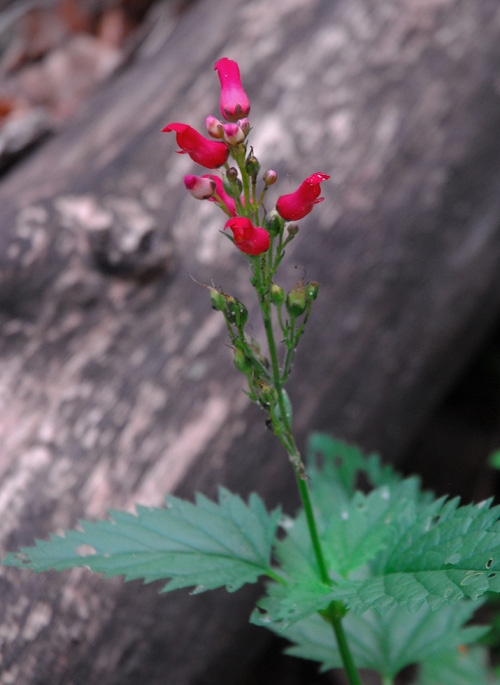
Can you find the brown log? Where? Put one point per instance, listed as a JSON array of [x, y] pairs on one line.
[[116, 378]]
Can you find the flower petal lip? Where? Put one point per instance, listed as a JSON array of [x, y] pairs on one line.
[[208, 153], [250, 239], [234, 103], [297, 205]]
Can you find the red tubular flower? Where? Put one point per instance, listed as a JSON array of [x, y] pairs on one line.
[[297, 205], [233, 100], [208, 153], [219, 190], [248, 238]]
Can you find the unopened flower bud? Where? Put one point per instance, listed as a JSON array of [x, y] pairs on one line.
[[270, 177], [233, 134], [278, 296], [273, 223], [200, 187], [232, 173], [244, 124], [292, 230], [214, 127], [312, 289], [296, 300]]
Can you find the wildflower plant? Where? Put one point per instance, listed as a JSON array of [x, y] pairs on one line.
[[378, 578]]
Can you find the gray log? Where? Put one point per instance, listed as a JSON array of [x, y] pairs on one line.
[[116, 379]]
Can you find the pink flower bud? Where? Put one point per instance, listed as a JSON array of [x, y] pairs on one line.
[[206, 152], [234, 103], [220, 192], [270, 177], [248, 238], [233, 134], [244, 124], [214, 127], [297, 205], [202, 188]]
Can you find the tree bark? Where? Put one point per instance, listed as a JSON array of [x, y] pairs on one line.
[[116, 384]]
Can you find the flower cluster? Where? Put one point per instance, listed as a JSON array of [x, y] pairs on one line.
[[253, 230]]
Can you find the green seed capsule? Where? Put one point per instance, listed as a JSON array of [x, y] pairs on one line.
[[236, 311], [242, 362], [267, 395], [312, 289], [252, 166], [273, 223], [296, 300], [278, 296], [232, 184], [218, 300]]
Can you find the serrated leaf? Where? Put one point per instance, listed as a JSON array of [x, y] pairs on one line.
[[206, 544], [354, 534], [440, 554], [387, 643], [363, 527]]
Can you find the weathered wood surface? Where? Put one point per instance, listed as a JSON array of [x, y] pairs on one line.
[[115, 378]]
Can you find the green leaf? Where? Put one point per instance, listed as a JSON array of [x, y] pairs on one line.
[[341, 463], [438, 554], [206, 545], [354, 534], [387, 643], [389, 547], [460, 667], [337, 461], [362, 528]]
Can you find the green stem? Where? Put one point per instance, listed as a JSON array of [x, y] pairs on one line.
[[282, 428], [335, 618], [387, 680], [313, 530], [238, 153]]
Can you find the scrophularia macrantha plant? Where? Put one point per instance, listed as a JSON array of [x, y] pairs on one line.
[[314, 578]]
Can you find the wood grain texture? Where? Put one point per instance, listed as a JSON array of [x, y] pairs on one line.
[[116, 383]]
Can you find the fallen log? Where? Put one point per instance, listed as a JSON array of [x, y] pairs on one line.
[[115, 384]]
